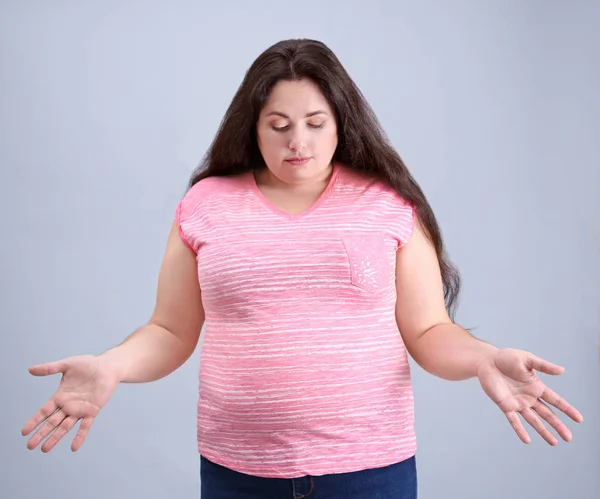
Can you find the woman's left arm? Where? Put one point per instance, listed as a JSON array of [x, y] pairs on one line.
[[437, 344], [450, 352]]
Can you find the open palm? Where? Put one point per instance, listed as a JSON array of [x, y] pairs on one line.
[[86, 386], [509, 379]]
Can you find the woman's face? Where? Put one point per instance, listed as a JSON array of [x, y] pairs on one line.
[[297, 132]]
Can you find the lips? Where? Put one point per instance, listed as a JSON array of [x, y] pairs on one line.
[[297, 161]]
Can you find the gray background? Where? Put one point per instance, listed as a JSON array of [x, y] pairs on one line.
[[106, 107]]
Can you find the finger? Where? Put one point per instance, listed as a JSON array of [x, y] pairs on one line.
[[48, 427], [552, 419], [47, 369], [560, 403], [544, 366], [45, 411], [515, 422], [82, 433], [64, 427], [536, 423]]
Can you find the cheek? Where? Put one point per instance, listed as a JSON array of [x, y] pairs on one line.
[[328, 140], [269, 142]]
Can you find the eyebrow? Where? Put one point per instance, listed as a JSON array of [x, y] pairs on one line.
[[308, 115]]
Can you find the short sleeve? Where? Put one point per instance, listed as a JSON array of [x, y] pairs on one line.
[[181, 216], [190, 213], [406, 223], [400, 216]]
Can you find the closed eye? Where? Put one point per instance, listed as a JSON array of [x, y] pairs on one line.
[[284, 128]]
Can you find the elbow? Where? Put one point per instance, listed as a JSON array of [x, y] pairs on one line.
[[415, 337], [184, 336]]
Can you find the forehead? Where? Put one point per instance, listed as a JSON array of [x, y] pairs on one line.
[[301, 96]]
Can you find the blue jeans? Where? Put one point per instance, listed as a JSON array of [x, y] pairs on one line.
[[397, 481]]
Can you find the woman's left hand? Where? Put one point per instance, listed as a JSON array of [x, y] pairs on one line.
[[508, 377]]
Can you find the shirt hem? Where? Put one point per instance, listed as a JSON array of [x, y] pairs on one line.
[[294, 472]]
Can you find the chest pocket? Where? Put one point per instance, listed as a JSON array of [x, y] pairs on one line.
[[370, 267]]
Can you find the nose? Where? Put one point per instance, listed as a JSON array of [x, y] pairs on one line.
[[297, 141]]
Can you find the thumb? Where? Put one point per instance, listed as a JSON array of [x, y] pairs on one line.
[[544, 366], [48, 368]]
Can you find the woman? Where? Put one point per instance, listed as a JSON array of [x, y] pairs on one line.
[[316, 264]]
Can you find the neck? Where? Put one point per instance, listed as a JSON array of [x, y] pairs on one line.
[[264, 178]]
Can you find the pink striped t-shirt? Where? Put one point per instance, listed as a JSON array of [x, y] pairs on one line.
[[303, 370]]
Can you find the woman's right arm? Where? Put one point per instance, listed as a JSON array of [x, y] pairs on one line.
[[150, 353], [171, 335]]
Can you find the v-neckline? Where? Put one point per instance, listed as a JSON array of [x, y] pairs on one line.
[[285, 214]]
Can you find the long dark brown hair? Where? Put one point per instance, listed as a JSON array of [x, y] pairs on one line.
[[362, 144]]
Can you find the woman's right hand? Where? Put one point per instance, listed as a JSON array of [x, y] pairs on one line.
[[87, 384]]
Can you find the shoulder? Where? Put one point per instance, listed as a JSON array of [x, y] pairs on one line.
[[207, 196], [208, 192], [372, 188], [375, 199]]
